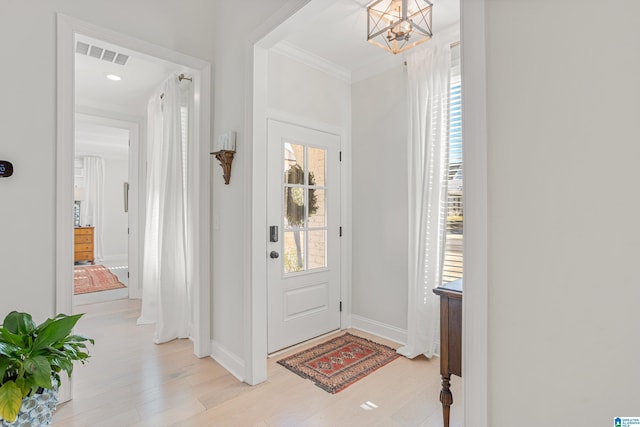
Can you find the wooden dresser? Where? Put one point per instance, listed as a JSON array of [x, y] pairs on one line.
[[83, 244], [450, 340]]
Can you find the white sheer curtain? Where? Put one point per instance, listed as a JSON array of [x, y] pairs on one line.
[[166, 285], [428, 72], [92, 211]]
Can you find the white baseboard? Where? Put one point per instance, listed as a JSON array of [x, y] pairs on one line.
[[380, 329], [228, 360], [114, 258]]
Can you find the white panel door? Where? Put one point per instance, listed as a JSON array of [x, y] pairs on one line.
[[303, 214]]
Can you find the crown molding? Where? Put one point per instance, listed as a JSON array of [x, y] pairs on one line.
[[294, 52], [376, 67]]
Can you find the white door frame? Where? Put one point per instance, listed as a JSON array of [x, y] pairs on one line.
[[475, 307], [136, 181], [475, 311], [67, 28], [256, 248]]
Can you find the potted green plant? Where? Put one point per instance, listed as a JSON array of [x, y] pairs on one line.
[[31, 358]]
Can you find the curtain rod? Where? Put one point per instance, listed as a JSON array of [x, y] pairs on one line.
[[181, 77]]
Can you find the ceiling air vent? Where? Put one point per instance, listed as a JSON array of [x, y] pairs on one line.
[[121, 59], [101, 53], [82, 48], [108, 55], [96, 52]]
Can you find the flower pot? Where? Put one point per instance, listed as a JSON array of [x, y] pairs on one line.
[[36, 410]]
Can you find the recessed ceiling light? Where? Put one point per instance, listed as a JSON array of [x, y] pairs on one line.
[[114, 77]]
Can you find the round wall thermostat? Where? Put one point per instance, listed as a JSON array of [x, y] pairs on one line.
[[6, 169]]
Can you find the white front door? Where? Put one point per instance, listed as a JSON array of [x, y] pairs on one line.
[[303, 215]]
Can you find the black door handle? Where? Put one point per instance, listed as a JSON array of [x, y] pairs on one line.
[[274, 254]]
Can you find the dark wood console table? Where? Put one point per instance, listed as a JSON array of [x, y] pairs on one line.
[[450, 340]]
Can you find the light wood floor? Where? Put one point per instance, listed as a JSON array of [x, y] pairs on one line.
[[130, 381]]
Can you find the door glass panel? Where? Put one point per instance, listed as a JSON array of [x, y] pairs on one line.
[[294, 206], [317, 210], [294, 249], [317, 168], [317, 249], [293, 163], [305, 210]]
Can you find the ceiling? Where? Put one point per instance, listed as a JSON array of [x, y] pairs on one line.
[[336, 31], [141, 77], [332, 31]]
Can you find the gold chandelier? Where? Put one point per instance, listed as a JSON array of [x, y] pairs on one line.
[[398, 25]]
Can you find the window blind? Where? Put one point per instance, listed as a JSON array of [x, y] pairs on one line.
[[455, 216]]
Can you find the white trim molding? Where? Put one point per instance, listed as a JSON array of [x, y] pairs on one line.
[[132, 153], [228, 360], [291, 51], [255, 313], [68, 27], [475, 358], [64, 180], [380, 329]]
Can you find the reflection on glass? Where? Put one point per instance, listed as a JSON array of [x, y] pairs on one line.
[[317, 210], [293, 163], [317, 166], [294, 207], [294, 244], [317, 249]]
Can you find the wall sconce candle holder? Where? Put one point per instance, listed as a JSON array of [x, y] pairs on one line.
[[225, 157], [226, 149]]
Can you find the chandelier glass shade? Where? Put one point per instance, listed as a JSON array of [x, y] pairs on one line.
[[398, 25]]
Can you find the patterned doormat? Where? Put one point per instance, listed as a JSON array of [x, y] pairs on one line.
[[94, 278], [336, 364]]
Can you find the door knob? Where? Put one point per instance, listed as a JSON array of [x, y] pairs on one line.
[[274, 254]]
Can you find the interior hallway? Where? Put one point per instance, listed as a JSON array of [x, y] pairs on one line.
[[129, 381]]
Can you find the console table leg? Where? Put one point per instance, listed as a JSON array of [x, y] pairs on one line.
[[446, 398]]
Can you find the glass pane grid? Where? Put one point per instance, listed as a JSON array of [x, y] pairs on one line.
[[304, 219]]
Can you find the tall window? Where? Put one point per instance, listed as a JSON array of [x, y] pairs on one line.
[[455, 216]]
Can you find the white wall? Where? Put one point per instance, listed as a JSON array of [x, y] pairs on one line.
[[380, 199], [305, 92], [114, 239], [563, 90]]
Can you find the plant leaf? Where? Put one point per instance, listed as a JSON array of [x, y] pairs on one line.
[[10, 401], [23, 386], [40, 369], [7, 336], [78, 339], [54, 331], [19, 323], [4, 364], [9, 350]]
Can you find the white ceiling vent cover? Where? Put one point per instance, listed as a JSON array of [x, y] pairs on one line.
[[108, 55], [96, 52], [101, 53], [121, 59], [82, 48]]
